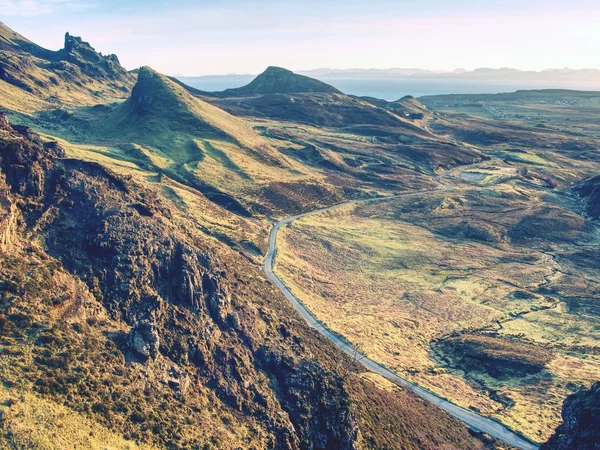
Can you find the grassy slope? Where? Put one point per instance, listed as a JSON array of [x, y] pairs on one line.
[[30, 421]]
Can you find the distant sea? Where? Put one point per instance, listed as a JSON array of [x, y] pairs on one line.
[[395, 88]]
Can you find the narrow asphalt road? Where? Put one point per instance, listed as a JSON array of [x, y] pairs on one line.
[[471, 419]]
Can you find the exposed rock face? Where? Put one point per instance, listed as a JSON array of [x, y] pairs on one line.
[[581, 422], [327, 421], [589, 191], [276, 80], [82, 54], [218, 298], [75, 68], [4, 124], [143, 338], [8, 221]]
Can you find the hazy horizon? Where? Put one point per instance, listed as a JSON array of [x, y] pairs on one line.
[[234, 37], [426, 71]]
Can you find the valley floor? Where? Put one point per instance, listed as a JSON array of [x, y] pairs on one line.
[[479, 312]]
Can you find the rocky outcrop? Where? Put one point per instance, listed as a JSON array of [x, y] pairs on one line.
[[498, 356], [8, 222], [580, 429], [80, 53], [589, 192], [316, 401], [8, 210], [218, 298], [144, 339], [75, 74]]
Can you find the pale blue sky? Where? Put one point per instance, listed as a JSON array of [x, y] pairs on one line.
[[243, 36]]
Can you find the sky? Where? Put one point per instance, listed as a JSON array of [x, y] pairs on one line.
[[245, 36]]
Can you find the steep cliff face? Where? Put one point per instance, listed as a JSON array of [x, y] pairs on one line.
[[8, 220], [581, 422]]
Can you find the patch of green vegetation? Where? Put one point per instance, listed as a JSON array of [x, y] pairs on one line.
[[222, 157]]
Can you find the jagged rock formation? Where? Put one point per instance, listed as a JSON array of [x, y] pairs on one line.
[[580, 429], [82, 54], [8, 210], [276, 80], [8, 220], [74, 74]]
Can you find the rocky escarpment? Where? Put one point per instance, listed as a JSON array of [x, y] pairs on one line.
[[8, 210], [580, 429]]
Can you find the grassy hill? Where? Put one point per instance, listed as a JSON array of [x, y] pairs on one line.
[[277, 80], [158, 106], [281, 94]]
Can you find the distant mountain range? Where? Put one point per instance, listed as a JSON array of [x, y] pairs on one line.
[[483, 73], [506, 74]]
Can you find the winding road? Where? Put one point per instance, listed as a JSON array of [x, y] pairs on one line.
[[471, 419]]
